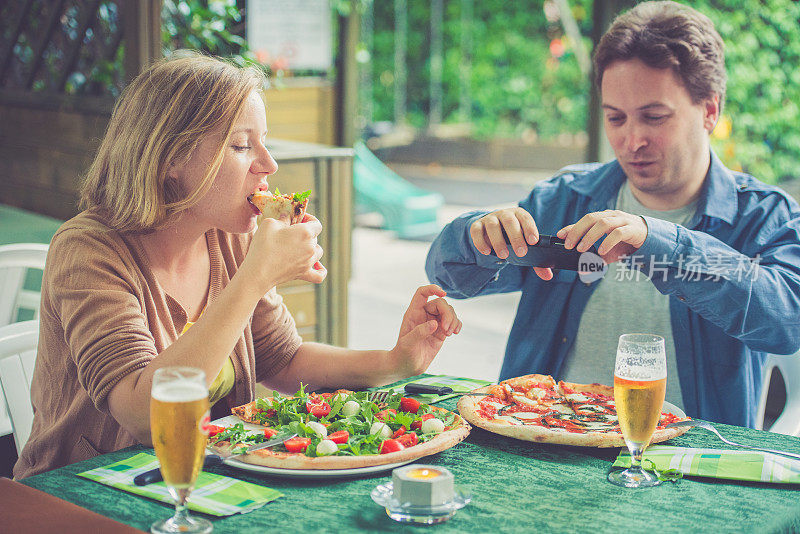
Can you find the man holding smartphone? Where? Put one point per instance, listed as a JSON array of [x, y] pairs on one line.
[[712, 256]]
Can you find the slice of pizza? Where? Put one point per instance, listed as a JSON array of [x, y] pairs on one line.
[[277, 205], [593, 404], [535, 399]]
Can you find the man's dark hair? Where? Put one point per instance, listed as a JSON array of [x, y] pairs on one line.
[[667, 35]]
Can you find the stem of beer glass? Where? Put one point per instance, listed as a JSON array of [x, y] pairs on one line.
[[636, 450], [181, 510]]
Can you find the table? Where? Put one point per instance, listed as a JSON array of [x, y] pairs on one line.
[[517, 486]]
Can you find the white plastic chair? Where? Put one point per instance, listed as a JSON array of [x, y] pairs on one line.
[[18, 344], [789, 420], [15, 260]]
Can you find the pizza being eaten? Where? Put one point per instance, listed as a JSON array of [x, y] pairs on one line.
[[277, 205], [537, 408], [340, 430]]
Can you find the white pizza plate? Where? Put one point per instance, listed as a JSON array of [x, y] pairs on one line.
[[299, 473]]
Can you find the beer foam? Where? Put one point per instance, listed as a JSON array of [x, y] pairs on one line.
[[179, 391]]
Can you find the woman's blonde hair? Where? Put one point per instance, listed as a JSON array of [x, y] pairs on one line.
[[160, 119]]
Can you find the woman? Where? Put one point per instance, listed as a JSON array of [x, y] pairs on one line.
[[168, 240]]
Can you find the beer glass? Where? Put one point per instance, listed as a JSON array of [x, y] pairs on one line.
[[640, 382], [178, 406]]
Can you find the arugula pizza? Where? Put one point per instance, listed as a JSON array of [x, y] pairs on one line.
[[537, 408], [340, 430]]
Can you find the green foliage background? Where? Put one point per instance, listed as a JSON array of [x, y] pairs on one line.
[[763, 101], [517, 86]]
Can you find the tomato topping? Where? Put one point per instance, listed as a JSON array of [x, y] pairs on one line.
[[409, 405], [409, 439], [296, 444], [270, 432], [339, 437], [383, 415], [213, 430], [318, 409], [400, 431], [416, 425], [391, 445]]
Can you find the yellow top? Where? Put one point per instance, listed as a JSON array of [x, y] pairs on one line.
[[223, 384]]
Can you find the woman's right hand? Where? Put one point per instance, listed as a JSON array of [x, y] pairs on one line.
[[519, 226], [280, 253]]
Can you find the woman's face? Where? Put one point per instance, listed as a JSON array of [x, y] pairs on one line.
[[245, 166]]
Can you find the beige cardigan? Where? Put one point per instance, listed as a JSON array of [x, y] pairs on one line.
[[103, 315]]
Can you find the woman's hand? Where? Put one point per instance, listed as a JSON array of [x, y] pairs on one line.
[[280, 253], [426, 324], [487, 235]]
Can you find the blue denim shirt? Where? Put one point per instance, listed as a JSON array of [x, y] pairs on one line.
[[727, 310]]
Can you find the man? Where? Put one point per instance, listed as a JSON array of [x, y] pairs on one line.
[[715, 254]]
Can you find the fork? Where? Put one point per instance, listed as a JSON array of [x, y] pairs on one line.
[[709, 426], [379, 397]]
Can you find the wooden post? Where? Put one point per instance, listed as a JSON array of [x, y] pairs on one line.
[[347, 77], [400, 67], [142, 29], [603, 15], [436, 64]]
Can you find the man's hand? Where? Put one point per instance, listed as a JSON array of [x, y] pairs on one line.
[[518, 224], [426, 324], [626, 234]]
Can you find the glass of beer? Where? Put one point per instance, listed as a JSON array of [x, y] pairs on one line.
[[640, 382], [178, 408]]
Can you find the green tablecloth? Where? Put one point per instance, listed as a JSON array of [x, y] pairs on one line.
[[517, 487]]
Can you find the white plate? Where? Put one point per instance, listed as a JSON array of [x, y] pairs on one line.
[[315, 473], [299, 473]]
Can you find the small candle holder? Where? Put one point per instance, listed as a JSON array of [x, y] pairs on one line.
[[420, 494]]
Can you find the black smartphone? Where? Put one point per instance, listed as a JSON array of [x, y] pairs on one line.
[[548, 252]]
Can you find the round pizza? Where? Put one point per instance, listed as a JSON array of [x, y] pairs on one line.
[[340, 430], [537, 408]]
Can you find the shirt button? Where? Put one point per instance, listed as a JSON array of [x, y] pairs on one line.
[[564, 340]]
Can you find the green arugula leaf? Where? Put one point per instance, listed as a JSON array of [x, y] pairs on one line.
[[299, 197]]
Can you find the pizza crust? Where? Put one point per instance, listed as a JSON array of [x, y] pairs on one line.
[[468, 407]]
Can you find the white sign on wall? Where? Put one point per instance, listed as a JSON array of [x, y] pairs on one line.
[[292, 34]]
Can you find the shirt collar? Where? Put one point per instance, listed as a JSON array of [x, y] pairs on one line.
[[717, 199]]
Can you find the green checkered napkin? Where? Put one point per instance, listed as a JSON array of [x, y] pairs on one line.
[[213, 494], [718, 463], [459, 385]]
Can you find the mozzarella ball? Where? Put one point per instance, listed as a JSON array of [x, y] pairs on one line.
[[381, 428], [340, 397], [326, 446], [318, 428], [350, 408], [432, 426]]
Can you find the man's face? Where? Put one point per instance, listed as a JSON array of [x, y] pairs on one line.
[[659, 137]]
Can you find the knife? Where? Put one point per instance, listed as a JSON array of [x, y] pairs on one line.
[[154, 475], [427, 389]]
